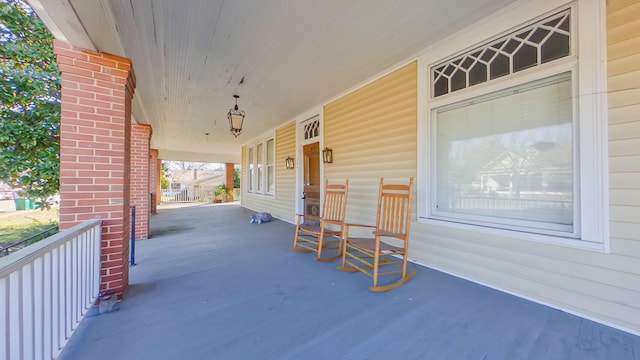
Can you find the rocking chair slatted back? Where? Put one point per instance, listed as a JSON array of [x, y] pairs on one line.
[[394, 208], [335, 205]]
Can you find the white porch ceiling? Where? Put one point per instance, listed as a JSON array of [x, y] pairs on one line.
[[190, 56]]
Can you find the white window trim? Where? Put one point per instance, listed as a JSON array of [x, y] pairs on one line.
[[589, 18], [266, 166], [254, 178], [251, 153]]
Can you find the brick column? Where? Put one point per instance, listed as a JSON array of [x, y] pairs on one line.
[[154, 179], [229, 171], [140, 189], [95, 128]]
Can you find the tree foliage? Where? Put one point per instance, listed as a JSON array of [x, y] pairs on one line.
[[164, 171], [236, 177], [191, 165], [29, 102]]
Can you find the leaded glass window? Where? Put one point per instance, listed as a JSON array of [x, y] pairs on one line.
[[533, 45]]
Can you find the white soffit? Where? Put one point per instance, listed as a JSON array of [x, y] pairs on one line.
[[191, 56]]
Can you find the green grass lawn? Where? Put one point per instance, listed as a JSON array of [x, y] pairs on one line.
[[20, 225], [21, 232]]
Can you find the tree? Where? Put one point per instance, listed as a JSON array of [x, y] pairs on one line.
[[236, 177], [164, 171], [29, 103], [189, 165]]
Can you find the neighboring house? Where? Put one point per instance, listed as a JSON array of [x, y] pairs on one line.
[[181, 179], [513, 174], [538, 78], [193, 184], [210, 181]]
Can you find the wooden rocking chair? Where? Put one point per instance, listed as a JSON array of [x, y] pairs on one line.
[[393, 224], [326, 232]]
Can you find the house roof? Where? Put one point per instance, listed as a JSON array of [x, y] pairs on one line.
[[194, 176]]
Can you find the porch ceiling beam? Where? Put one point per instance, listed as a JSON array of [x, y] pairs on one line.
[[61, 19], [172, 155]]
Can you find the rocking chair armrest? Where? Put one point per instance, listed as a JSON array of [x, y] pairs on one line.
[[389, 234], [359, 225], [330, 221], [309, 216], [347, 226]]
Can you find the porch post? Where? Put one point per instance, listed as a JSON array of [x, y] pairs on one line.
[[95, 130], [154, 180], [140, 189], [229, 183]]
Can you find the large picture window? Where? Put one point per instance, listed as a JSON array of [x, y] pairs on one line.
[[514, 138], [506, 159]]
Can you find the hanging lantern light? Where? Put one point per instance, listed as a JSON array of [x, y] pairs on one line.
[[236, 117]]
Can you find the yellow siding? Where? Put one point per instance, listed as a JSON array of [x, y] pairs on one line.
[[623, 49], [623, 21], [372, 132], [614, 6], [282, 205]]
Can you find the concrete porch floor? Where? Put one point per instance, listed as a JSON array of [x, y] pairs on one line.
[[209, 285]]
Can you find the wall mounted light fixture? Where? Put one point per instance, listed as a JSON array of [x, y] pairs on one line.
[[327, 155], [289, 162]]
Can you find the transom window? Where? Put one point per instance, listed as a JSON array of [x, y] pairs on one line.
[[311, 129], [530, 46]]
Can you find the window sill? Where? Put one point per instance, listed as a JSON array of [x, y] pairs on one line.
[[261, 194], [520, 235]]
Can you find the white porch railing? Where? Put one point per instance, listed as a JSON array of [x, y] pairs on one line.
[[190, 194], [45, 291]]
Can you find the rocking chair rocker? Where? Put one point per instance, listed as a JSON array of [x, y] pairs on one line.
[[392, 224], [319, 235]]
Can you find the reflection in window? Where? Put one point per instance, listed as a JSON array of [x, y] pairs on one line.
[[252, 170], [270, 166], [507, 158], [260, 167]]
